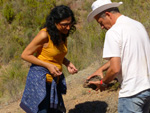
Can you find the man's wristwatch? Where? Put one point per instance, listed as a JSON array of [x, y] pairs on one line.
[[103, 84]]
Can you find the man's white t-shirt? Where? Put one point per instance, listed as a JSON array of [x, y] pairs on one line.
[[129, 40]]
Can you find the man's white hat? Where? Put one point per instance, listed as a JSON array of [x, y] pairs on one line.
[[99, 6]]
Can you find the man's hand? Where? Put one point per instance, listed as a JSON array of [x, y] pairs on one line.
[[97, 73], [99, 86]]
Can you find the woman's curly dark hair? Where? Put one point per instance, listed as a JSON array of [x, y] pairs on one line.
[[56, 15]]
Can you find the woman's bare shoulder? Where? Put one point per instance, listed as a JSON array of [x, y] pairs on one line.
[[43, 34]]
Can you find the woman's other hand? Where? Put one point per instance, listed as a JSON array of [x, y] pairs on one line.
[[71, 68]]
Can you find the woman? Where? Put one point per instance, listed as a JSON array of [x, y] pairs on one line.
[[45, 81]]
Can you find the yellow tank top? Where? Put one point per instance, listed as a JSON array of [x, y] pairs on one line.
[[53, 54]]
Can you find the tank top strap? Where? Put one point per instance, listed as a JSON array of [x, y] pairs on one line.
[[44, 29]]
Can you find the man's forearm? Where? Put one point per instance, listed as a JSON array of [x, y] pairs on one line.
[[110, 75], [105, 66], [113, 70]]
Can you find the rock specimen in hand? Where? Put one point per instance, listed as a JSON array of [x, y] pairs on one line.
[[94, 78]]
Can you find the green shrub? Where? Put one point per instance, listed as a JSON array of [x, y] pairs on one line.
[[31, 3], [87, 5], [8, 13], [13, 78], [18, 40], [1, 2], [10, 51], [19, 18]]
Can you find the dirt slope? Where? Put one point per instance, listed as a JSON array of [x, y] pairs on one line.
[[79, 99], [84, 100]]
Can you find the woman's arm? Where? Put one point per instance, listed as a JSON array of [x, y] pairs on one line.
[[36, 44], [66, 62]]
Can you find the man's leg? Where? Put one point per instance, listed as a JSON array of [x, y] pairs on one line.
[[139, 103], [146, 108]]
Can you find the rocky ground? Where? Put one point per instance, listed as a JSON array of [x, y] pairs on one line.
[[79, 99]]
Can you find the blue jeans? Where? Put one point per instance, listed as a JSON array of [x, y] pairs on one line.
[[139, 103]]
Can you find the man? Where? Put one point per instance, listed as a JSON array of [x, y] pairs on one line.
[[127, 49]]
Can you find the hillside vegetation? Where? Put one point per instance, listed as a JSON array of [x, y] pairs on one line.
[[20, 21]]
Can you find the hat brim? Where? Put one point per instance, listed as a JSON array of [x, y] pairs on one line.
[[98, 10]]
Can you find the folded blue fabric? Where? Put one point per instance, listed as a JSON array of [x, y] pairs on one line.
[[56, 91], [35, 90]]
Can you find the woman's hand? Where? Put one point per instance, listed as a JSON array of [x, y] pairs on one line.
[[53, 70], [71, 68]]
